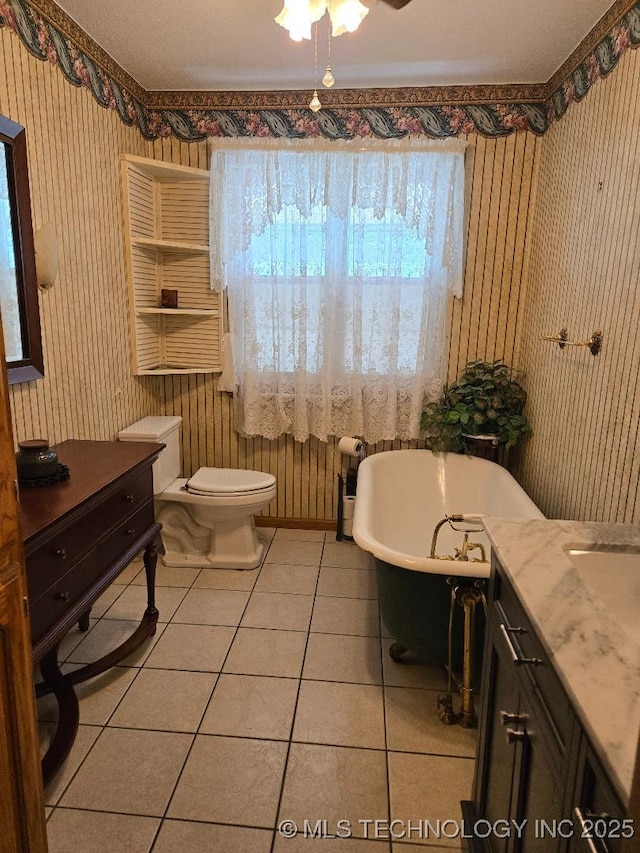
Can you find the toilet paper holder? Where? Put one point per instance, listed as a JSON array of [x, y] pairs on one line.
[[355, 449], [346, 505]]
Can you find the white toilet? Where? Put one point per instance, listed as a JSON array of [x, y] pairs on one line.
[[207, 520]]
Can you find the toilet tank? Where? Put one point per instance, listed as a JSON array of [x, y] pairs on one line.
[[168, 465]]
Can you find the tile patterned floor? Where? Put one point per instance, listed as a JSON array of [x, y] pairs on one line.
[[265, 696]]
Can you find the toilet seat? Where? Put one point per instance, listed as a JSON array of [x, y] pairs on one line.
[[220, 482]]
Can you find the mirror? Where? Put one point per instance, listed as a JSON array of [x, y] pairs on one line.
[[18, 288]]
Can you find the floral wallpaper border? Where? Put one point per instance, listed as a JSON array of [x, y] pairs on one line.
[[434, 112]]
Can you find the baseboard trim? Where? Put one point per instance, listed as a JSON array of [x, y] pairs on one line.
[[302, 523]]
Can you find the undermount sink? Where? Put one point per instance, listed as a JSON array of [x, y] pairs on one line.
[[613, 576]]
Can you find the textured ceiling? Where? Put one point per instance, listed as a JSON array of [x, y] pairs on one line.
[[213, 45]]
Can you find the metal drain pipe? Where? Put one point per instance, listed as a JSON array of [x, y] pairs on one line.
[[468, 598]]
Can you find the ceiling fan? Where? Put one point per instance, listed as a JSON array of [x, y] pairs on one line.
[[297, 16]]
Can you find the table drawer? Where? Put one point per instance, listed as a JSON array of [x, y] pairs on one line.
[[54, 558], [51, 606], [130, 495], [123, 537]]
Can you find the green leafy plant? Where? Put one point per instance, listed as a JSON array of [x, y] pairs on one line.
[[485, 400]]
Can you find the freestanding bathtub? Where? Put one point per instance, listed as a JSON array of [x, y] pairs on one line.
[[401, 496]]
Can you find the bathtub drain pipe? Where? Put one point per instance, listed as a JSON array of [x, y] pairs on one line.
[[468, 717], [447, 715], [468, 598]]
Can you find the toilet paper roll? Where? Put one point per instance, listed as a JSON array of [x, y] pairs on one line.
[[350, 446], [348, 506], [347, 527]]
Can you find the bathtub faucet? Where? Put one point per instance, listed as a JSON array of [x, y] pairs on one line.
[[463, 553], [459, 553]]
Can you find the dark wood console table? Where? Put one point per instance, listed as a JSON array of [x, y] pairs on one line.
[[78, 536]]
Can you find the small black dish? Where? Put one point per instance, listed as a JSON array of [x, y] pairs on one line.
[[59, 476]]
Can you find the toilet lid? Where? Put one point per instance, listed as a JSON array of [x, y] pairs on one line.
[[228, 481]]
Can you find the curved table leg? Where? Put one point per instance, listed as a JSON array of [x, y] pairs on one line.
[[150, 559], [69, 714], [83, 621], [53, 680]]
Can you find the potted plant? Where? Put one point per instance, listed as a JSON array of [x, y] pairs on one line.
[[485, 400]]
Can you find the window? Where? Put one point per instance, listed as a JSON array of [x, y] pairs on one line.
[[338, 260]]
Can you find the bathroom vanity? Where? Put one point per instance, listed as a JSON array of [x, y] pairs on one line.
[[78, 536], [561, 692]]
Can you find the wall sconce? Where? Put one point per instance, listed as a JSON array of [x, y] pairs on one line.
[[46, 245]]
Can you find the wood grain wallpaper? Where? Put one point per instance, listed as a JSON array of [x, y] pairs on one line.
[[583, 460], [73, 147]]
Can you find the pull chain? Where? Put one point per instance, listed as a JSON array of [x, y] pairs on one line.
[[328, 80], [314, 103]]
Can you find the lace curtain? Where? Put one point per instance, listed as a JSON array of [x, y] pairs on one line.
[[337, 260]]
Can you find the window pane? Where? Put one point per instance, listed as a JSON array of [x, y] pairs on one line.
[[290, 246], [382, 248]]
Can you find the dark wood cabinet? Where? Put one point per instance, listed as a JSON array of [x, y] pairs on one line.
[[78, 536], [538, 781]]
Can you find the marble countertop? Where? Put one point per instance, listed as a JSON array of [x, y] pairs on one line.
[[596, 659]]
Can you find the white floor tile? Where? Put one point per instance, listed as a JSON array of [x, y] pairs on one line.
[[298, 535], [357, 616], [231, 780], [299, 580], [413, 724], [293, 553], [340, 714], [251, 706], [346, 555], [359, 791], [192, 837], [165, 700], [278, 610], [257, 651], [129, 771], [212, 607], [333, 657], [70, 830], [347, 583], [197, 648]]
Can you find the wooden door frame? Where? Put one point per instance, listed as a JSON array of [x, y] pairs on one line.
[[22, 822]]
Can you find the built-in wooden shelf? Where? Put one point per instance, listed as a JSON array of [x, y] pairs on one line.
[[185, 312], [170, 370], [167, 246]]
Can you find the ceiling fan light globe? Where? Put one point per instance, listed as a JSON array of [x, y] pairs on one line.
[[297, 16], [346, 15]]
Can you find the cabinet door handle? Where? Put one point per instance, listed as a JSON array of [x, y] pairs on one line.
[[63, 596], [507, 719], [129, 499], [514, 735], [62, 553], [131, 531], [586, 822], [515, 657]]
